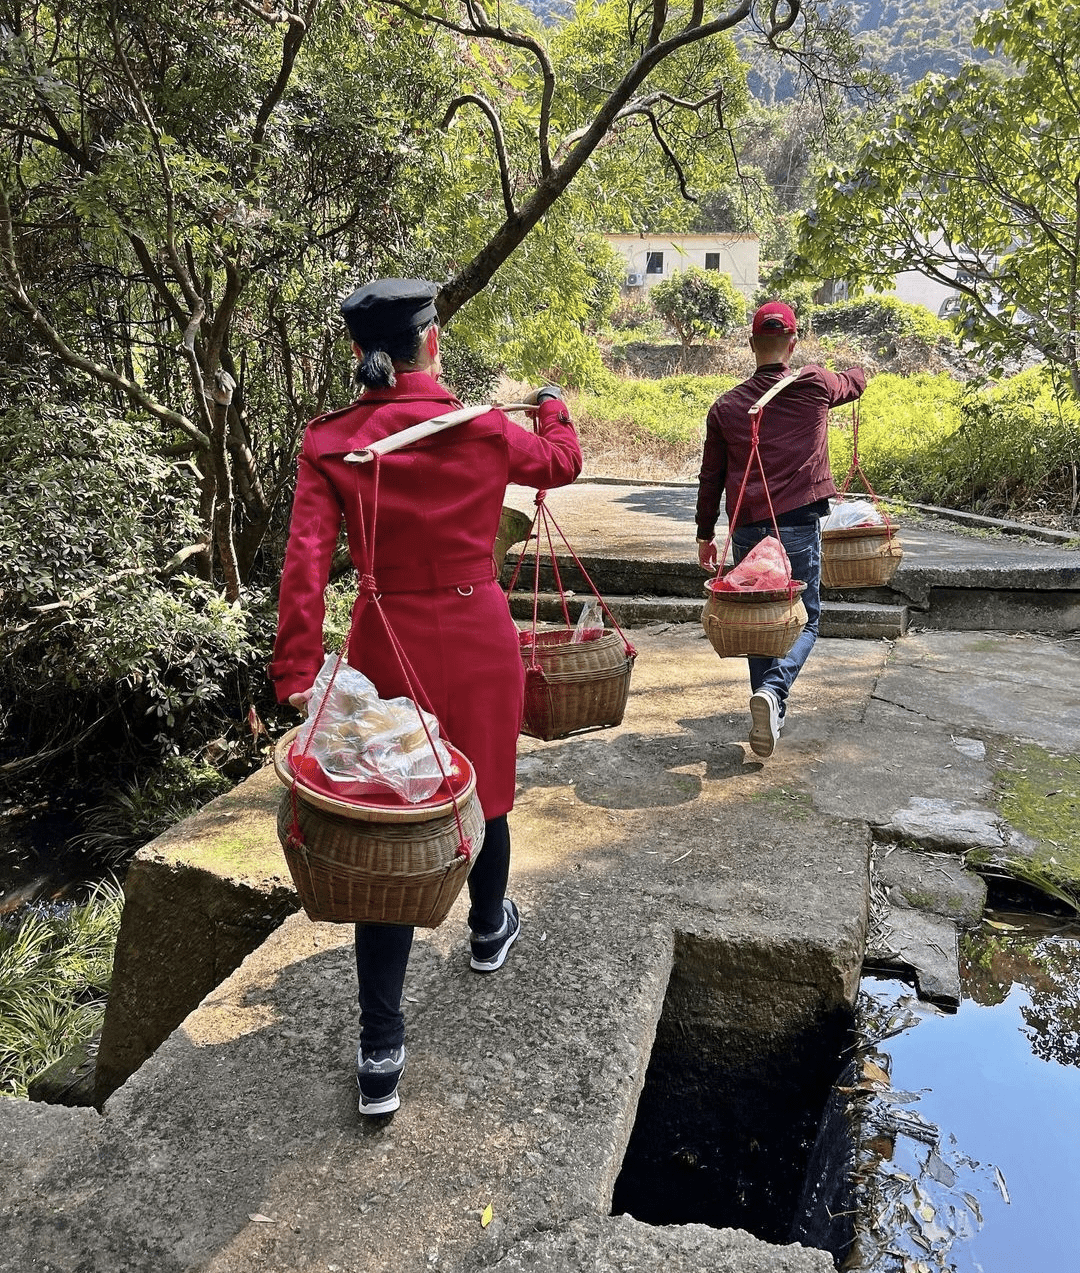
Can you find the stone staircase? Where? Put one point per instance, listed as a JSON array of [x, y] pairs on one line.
[[639, 593]]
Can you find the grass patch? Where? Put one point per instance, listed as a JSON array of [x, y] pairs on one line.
[[796, 805], [1005, 450], [55, 970], [1039, 794]]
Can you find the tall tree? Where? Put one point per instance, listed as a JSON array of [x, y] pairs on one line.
[[976, 183], [185, 191], [573, 97]]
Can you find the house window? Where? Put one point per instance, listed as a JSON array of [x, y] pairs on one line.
[[654, 263], [712, 260]]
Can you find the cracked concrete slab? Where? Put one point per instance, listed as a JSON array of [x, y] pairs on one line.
[[931, 882], [926, 945], [1017, 684], [660, 847], [945, 825]]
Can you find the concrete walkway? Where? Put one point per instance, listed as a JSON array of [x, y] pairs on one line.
[[687, 908], [638, 542]]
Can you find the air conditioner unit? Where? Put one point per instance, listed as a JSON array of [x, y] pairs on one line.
[[635, 280]]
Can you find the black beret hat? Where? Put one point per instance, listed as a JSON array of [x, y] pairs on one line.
[[388, 308]]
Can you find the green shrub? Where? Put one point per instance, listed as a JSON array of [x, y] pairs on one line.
[[903, 421], [97, 634], [55, 970], [698, 304], [885, 317], [1015, 448], [932, 440]]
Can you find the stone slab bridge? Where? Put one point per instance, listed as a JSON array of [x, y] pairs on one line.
[[638, 1087]]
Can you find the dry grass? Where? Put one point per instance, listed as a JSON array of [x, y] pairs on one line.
[[613, 451]]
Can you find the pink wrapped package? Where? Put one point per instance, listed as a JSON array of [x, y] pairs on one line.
[[765, 568]]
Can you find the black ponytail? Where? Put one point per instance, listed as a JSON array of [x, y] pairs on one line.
[[376, 369]]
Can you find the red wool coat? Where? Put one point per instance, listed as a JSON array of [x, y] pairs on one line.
[[437, 515]]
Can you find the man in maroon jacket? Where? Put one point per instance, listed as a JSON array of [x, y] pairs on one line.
[[794, 451]]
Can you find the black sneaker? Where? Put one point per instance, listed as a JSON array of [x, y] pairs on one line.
[[377, 1075], [489, 952]]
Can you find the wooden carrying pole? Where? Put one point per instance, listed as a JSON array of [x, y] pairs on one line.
[[425, 429]]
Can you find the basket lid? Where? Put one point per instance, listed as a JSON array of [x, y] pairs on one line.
[[314, 788], [756, 595], [871, 530]]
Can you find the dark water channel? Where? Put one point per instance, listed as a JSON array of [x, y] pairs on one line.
[[972, 1150]]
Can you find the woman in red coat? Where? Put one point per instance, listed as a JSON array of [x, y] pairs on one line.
[[432, 564]]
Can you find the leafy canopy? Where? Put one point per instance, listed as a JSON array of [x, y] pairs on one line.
[[698, 304], [974, 182]]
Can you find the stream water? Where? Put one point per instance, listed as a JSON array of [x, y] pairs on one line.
[[975, 1133]]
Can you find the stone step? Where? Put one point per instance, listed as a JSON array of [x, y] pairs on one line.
[[838, 618], [866, 619]]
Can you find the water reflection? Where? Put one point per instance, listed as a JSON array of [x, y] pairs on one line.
[[968, 1165]]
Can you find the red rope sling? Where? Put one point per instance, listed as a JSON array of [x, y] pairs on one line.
[[747, 622], [367, 594]]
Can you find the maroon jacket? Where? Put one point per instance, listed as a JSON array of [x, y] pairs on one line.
[[793, 444], [439, 504]]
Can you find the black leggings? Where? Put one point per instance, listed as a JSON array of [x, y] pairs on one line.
[[382, 950]]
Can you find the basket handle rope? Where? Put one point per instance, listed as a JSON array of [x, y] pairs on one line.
[[756, 413], [544, 516], [856, 467], [367, 593]]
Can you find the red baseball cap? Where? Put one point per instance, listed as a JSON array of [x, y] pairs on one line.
[[773, 318]]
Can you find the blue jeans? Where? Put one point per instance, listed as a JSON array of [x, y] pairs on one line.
[[803, 547], [382, 950]]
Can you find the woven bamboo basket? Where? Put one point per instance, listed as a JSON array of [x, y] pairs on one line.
[[754, 624], [576, 686], [375, 863], [859, 556]]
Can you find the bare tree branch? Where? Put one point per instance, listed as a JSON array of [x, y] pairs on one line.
[[660, 13], [479, 271], [670, 156], [69, 603], [187, 283], [290, 48], [275, 16], [479, 25], [779, 25], [497, 135]]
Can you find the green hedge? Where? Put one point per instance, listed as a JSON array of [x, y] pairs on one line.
[[671, 409]]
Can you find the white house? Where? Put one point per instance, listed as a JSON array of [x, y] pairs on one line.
[[917, 289], [651, 258]]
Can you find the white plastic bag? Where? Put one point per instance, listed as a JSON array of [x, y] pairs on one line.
[[366, 745], [851, 512], [590, 624]]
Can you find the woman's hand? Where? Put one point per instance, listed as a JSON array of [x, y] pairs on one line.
[[300, 701], [535, 396]]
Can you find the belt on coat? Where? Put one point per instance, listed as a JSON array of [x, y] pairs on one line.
[[426, 575]]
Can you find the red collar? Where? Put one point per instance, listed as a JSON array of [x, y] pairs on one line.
[[411, 386]]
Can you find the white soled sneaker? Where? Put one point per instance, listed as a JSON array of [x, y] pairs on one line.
[[765, 721]]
